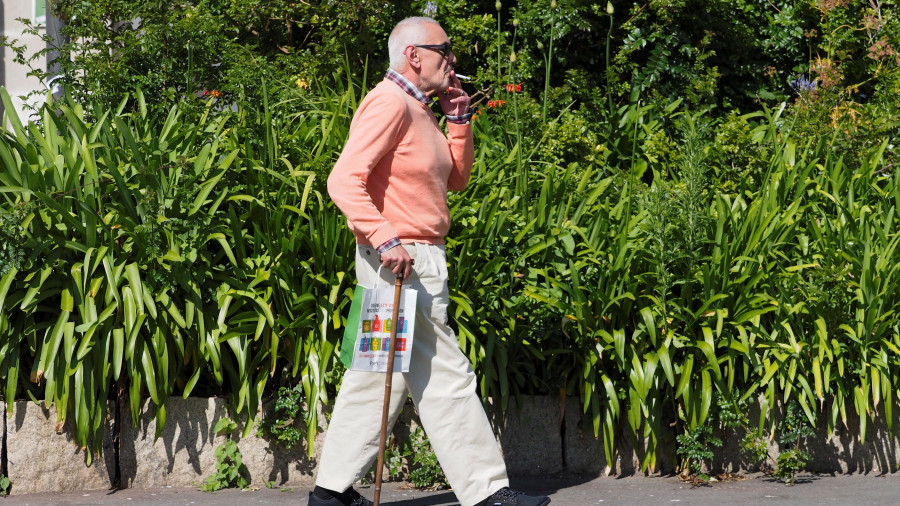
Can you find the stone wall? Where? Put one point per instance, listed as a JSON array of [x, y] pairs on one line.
[[41, 455], [539, 436]]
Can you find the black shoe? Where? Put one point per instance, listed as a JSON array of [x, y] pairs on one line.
[[507, 497], [348, 498]]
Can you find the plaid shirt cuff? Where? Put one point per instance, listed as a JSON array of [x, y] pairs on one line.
[[388, 245], [461, 119]]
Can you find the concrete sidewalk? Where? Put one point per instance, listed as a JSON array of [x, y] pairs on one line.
[[755, 489]]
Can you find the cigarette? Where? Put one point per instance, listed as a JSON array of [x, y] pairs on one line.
[[463, 78]]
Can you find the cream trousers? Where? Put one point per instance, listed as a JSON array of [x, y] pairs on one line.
[[442, 386]]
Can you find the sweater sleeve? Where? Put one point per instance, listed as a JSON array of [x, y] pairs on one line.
[[462, 150], [373, 132]]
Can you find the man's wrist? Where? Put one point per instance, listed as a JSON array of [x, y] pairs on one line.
[[386, 245]]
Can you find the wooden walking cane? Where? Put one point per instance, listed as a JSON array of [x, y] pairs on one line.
[[388, 377]]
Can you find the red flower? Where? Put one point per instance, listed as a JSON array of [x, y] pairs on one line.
[[496, 103], [215, 93], [205, 93], [511, 87]]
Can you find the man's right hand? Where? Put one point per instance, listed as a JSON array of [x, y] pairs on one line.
[[398, 261]]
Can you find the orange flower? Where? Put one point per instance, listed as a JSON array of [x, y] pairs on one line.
[[511, 87], [496, 103], [216, 93]]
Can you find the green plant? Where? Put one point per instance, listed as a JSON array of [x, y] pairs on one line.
[[12, 237], [425, 471], [230, 469], [416, 456], [159, 242], [695, 448], [756, 447], [279, 422], [5, 485], [792, 431], [395, 456], [653, 267], [789, 463]]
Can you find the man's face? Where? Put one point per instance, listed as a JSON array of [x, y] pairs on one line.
[[436, 67]]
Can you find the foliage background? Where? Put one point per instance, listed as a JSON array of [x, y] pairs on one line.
[[676, 207]]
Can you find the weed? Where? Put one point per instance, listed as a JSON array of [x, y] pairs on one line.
[[426, 471], [278, 424], [5, 485], [230, 469], [694, 447], [756, 447], [790, 462], [395, 455], [793, 429]]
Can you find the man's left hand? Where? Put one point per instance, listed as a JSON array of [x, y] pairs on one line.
[[454, 100]]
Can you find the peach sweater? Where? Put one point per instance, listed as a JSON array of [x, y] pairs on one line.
[[392, 177]]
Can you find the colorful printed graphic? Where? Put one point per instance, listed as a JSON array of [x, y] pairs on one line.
[[376, 325], [386, 345]]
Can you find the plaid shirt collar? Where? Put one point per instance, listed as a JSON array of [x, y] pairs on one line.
[[407, 86]]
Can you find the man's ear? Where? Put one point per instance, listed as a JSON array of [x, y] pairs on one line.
[[412, 57]]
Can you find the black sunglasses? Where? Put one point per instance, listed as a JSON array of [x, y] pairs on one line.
[[444, 49]]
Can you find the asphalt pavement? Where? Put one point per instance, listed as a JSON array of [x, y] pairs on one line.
[[564, 491]]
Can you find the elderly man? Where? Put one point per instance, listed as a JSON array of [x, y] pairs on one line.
[[391, 182]]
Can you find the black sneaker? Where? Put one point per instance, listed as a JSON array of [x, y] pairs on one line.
[[507, 497], [348, 498]]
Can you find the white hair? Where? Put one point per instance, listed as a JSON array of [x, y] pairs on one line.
[[407, 33]]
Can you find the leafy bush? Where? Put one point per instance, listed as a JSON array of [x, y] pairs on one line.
[[279, 423], [694, 448], [635, 247], [152, 259], [792, 431], [177, 52]]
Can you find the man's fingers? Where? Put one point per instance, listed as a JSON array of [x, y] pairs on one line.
[[398, 261]]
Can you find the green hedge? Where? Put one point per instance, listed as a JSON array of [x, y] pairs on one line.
[[653, 280]]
